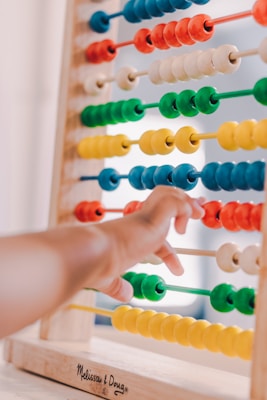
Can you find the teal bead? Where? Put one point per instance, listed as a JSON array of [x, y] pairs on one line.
[[147, 177], [185, 176], [239, 175], [135, 177], [205, 101], [116, 111], [244, 301], [132, 109], [208, 176], [260, 91], [222, 297], [136, 282], [167, 105], [223, 176], [163, 175], [109, 179], [255, 175], [152, 288], [186, 103]]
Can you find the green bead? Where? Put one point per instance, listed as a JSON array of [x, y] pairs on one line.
[[222, 297], [167, 105], [107, 114], [186, 103], [204, 101], [87, 116], [132, 109], [260, 91], [116, 111], [150, 288], [128, 276], [136, 282], [244, 301]]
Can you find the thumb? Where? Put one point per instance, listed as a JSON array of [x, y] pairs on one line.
[[118, 288]]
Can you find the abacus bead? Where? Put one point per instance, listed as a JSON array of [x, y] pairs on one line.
[[147, 177], [92, 53], [191, 65], [117, 317], [211, 218], [118, 147], [244, 344], [99, 22], [153, 9], [204, 62], [154, 72], [186, 103], [154, 325], [259, 133], [131, 207], [260, 91], [168, 105], [255, 175], [221, 59], [223, 176], [94, 84], [259, 12], [195, 333], [177, 67], [134, 177], [83, 148], [262, 50], [244, 134], [182, 33], [116, 111], [181, 330], [129, 12], [162, 141], [182, 176], [208, 176], [222, 297], [249, 259], [124, 80], [205, 101], [151, 288], [165, 70], [242, 216], [107, 50], [145, 142], [169, 34], [200, 2], [244, 300], [181, 4], [197, 29], [226, 136], [228, 257], [165, 6], [132, 110], [183, 140], [227, 339], [210, 336], [255, 216], [163, 175], [227, 216], [142, 41], [128, 276], [157, 37], [109, 179], [96, 212], [168, 326], [130, 319], [136, 282], [142, 322], [239, 175], [141, 10]]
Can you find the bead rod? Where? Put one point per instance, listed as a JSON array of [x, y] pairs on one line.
[[195, 252], [183, 289], [227, 18], [239, 54], [95, 310]]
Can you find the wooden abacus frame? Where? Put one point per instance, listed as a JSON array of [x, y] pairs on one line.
[[66, 350]]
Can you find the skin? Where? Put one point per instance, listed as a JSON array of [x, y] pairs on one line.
[[40, 271]]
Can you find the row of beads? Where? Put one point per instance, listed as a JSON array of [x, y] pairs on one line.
[[135, 11], [231, 136], [232, 341], [214, 176], [171, 105], [223, 297]]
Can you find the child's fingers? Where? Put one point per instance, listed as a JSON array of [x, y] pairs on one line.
[[118, 288], [169, 257]]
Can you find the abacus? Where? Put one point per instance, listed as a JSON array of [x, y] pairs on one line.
[[66, 349]]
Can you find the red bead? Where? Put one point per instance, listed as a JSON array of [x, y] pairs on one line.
[[142, 41], [92, 53], [89, 211], [181, 32], [255, 216], [212, 214], [227, 216], [169, 34], [197, 29], [157, 37], [242, 216], [131, 207], [259, 12], [107, 50]]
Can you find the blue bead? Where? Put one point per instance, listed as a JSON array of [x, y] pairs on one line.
[[184, 176], [163, 175], [153, 9], [223, 176], [140, 10], [255, 175], [208, 176], [99, 22], [239, 175], [165, 6], [200, 2], [134, 177], [147, 177], [129, 12], [109, 179], [181, 4]]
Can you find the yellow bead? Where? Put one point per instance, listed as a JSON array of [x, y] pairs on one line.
[[195, 334], [83, 148], [130, 318], [145, 143], [259, 133], [118, 316], [183, 140], [226, 136], [244, 344], [244, 135], [100, 147], [162, 141], [154, 325], [210, 337], [226, 340], [118, 147], [181, 330], [167, 327], [142, 322]]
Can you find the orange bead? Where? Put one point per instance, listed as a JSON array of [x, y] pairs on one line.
[[107, 50], [181, 32], [255, 216], [92, 53], [227, 216], [131, 207], [197, 29], [157, 37], [89, 211], [242, 216], [142, 41], [169, 34], [259, 12], [211, 218]]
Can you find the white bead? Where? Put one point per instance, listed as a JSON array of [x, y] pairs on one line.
[[221, 59], [153, 72], [165, 70], [95, 84], [249, 259], [124, 80], [152, 259], [227, 257], [191, 65], [262, 50], [178, 70], [205, 64]]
